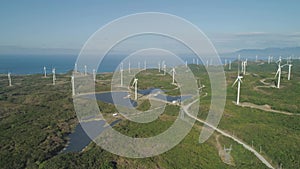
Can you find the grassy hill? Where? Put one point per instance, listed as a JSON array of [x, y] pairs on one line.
[[36, 118]]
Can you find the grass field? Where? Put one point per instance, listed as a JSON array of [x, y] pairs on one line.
[[36, 118]]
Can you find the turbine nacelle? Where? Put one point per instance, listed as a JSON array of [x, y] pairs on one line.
[[238, 79]]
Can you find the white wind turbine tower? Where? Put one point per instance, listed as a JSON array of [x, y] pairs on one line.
[[45, 72], [158, 66], [186, 64], [229, 66], [278, 73], [85, 70], [165, 69], [197, 62], [269, 59], [9, 78], [173, 75], [73, 85], [244, 64], [135, 81], [53, 77], [121, 72], [94, 75], [239, 81], [207, 63], [243, 67], [290, 69]]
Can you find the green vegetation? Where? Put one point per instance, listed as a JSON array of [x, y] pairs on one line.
[[152, 79], [36, 118]]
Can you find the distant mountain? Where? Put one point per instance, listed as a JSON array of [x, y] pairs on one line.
[[287, 51], [15, 50]]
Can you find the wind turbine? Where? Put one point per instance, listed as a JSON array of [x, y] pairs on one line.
[[9, 78], [239, 81], [173, 75], [94, 75], [85, 70], [45, 72], [197, 62], [256, 58], [73, 85], [53, 77], [278, 72], [158, 66], [121, 72], [135, 81], [244, 64], [269, 59], [229, 66], [290, 69], [243, 67], [165, 69], [186, 64]]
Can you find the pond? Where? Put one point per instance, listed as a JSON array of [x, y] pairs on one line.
[[118, 98], [79, 139], [122, 99]]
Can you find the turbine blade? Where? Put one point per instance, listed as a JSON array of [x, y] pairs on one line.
[[277, 72], [235, 82]]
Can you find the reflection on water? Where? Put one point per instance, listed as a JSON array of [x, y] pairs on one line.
[[122, 99], [119, 98], [148, 91]]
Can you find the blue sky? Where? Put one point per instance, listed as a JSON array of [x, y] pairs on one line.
[[231, 25]]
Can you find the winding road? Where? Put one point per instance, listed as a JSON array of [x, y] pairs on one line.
[[259, 156]]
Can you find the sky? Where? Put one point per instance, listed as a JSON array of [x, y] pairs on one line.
[[230, 25]]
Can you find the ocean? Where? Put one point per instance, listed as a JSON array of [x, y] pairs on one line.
[[34, 64]]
